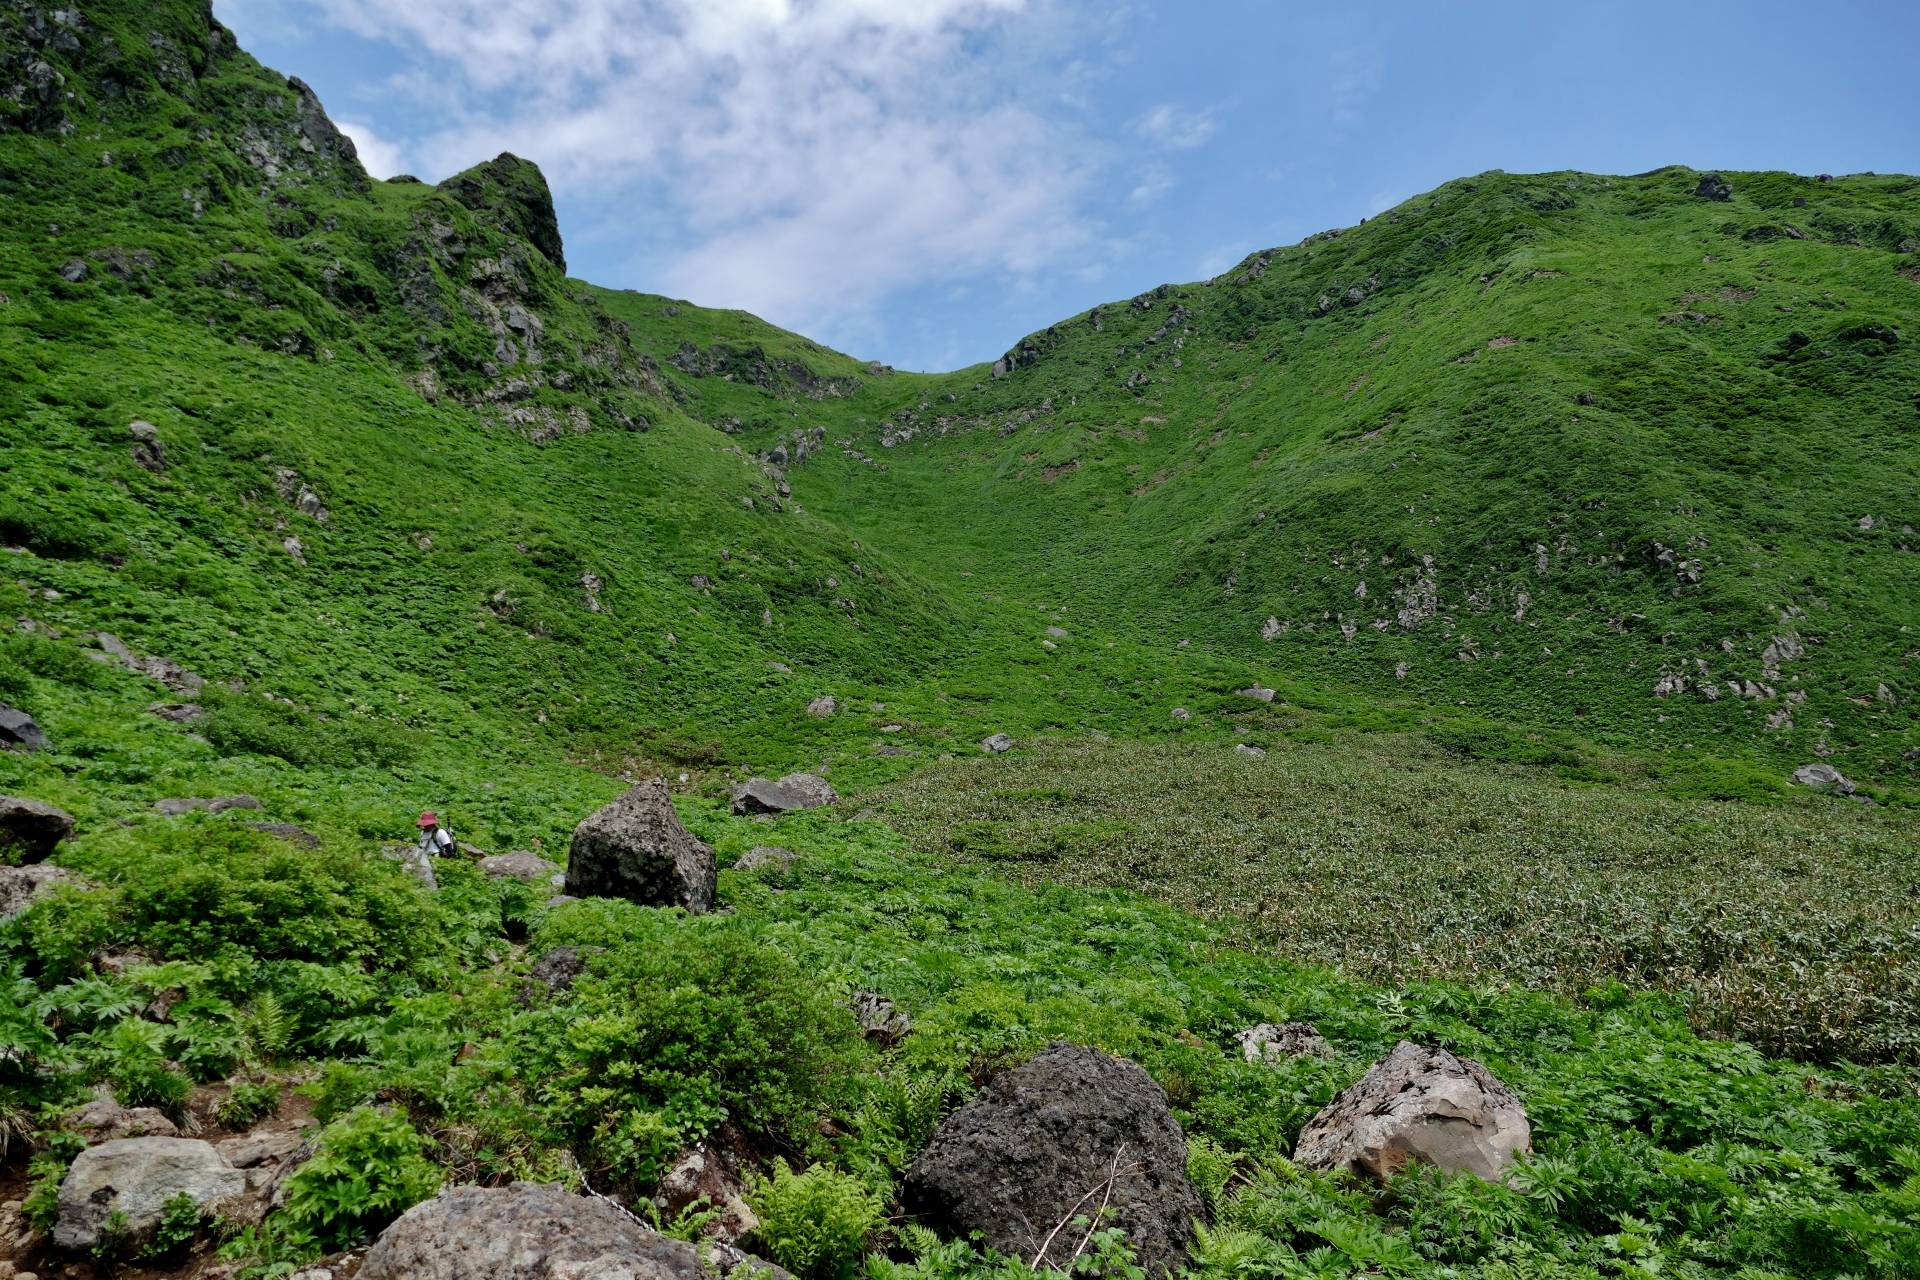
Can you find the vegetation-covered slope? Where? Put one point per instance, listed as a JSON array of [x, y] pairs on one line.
[[382, 511]]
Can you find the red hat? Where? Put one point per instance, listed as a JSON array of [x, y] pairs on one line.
[[428, 819]]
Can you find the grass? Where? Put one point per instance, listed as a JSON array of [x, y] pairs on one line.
[[1384, 855]]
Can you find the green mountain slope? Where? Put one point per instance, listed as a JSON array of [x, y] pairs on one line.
[[1637, 455]]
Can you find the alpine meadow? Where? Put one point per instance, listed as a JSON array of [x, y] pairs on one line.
[[1482, 632]]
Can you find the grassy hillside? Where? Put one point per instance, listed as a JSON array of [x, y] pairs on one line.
[[343, 495]]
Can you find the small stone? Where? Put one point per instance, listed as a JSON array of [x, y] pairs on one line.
[[21, 886], [178, 712], [518, 865], [880, 1018], [1181, 713], [1268, 1043], [1247, 749], [1057, 632], [765, 855], [823, 706], [105, 1120], [996, 744], [1257, 690]]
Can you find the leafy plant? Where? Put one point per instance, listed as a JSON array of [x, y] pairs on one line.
[[247, 1103], [179, 1224], [816, 1223], [366, 1170]]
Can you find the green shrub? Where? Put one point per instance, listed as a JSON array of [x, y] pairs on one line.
[[248, 1103], [139, 1071], [366, 1171], [179, 1224], [55, 661], [1712, 779], [1482, 740], [815, 1224], [670, 1035], [201, 889], [241, 726]]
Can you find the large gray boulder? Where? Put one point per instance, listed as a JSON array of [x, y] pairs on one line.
[[1418, 1104], [29, 829], [1050, 1140], [636, 848], [17, 729], [793, 792], [19, 886], [1823, 777], [136, 1177], [814, 791], [525, 1232]]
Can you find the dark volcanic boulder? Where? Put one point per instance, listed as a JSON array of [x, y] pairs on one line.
[[17, 729], [1418, 1104], [636, 848], [1023, 1156], [30, 829], [524, 1232]]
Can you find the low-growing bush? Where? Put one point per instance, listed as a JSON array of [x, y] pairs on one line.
[[248, 1103], [366, 1171], [204, 889], [815, 1224], [241, 725], [669, 1036]]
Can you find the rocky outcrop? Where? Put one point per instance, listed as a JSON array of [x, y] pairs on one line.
[[136, 1177], [526, 1232], [515, 194], [1824, 777], [1072, 1129], [19, 886], [1418, 1104], [1268, 1043], [637, 848], [795, 791], [520, 865], [823, 706], [164, 670], [211, 804], [18, 729], [30, 829]]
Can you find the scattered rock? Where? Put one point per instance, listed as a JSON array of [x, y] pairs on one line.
[[1058, 632], [1181, 713], [811, 787], [1823, 777], [290, 833], [880, 1018], [998, 743], [708, 1171], [891, 750], [762, 795], [555, 971], [178, 712], [30, 829], [1247, 749], [147, 451], [19, 886], [1714, 187], [136, 1177], [1259, 691], [261, 1146], [1023, 1156], [823, 706], [1418, 1103], [520, 865], [1268, 1043], [526, 1231], [417, 861], [765, 855], [17, 729], [214, 804], [104, 1120], [164, 670], [636, 848], [782, 668]]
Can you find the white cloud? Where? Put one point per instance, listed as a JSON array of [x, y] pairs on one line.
[[822, 153], [1172, 126], [383, 159]]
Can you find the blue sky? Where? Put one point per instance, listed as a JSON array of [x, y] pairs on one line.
[[925, 181]]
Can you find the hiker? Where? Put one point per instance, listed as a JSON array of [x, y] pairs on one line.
[[434, 838]]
